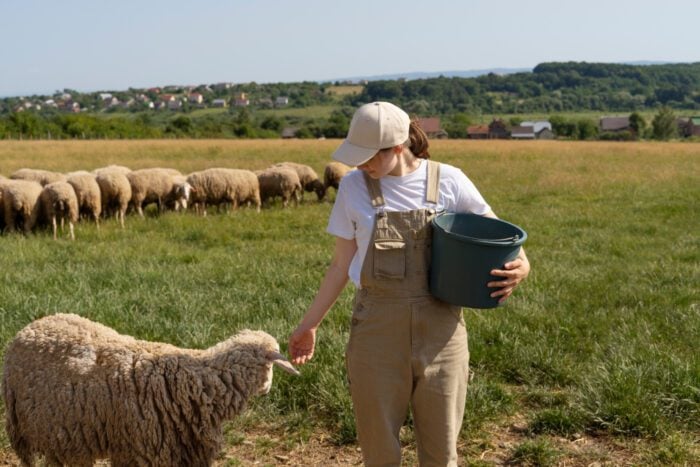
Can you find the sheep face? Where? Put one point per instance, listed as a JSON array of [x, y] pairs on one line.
[[182, 192], [319, 188]]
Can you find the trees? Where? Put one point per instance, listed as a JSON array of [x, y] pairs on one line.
[[664, 125], [638, 124]]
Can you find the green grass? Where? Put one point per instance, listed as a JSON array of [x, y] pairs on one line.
[[601, 339]]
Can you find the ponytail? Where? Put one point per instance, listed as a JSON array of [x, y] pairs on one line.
[[418, 141]]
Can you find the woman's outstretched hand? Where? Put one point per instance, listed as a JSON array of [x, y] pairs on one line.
[[512, 273], [301, 345]]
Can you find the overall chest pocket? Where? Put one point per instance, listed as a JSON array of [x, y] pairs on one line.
[[390, 259]]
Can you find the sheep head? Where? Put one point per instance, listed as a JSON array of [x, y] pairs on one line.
[[252, 355]]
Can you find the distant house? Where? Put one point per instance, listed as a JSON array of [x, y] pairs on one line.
[[545, 133], [497, 129], [614, 124], [541, 128], [241, 100], [431, 126], [538, 125], [71, 106], [478, 132], [175, 104], [219, 103], [694, 126], [289, 132], [195, 98], [281, 101], [523, 132], [689, 127]]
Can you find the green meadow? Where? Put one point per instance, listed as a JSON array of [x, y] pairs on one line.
[[595, 358]]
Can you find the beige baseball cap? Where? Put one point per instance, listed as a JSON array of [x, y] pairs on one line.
[[375, 126]]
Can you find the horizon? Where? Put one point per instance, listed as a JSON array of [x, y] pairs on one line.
[[389, 76], [89, 47]]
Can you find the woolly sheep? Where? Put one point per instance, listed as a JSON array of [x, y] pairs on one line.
[[158, 185], [115, 193], [308, 178], [20, 199], [58, 201], [44, 177], [279, 181], [333, 173], [77, 391], [217, 186], [88, 193]]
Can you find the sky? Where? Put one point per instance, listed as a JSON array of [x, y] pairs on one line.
[[98, 45]]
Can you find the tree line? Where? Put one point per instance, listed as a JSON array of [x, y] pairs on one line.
[[551, 89]]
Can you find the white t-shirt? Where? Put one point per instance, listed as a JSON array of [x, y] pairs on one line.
[[352, 216]]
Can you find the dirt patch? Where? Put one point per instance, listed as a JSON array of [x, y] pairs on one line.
[[497, 445]]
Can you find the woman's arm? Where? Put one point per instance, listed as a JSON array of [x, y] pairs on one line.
[[303, 340], [513, 273]]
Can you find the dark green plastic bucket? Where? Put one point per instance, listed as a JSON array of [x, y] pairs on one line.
[[465, 248]]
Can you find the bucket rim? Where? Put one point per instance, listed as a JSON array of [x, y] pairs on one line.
[[516, 240]]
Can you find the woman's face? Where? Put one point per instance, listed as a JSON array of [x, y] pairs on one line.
[[382, 163]]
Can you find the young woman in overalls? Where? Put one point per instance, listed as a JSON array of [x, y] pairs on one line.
[[406, 347]]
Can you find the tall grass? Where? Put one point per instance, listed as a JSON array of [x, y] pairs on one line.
[[603, 337]]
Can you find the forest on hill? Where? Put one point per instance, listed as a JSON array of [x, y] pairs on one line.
[[550, 87], [312, 110]]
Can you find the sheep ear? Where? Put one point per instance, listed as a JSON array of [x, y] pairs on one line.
[[282, 362]]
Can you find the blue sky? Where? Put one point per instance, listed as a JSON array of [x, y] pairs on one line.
[[98, 45]]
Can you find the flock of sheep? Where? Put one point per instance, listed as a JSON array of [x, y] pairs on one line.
[[76, 391], [32, 197]]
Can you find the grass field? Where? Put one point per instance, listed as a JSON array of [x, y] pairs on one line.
[[594, 359]]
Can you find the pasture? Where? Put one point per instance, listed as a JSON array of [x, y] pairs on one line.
[[595, 359]]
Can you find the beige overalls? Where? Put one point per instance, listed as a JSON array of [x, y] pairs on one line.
[[405, 346]]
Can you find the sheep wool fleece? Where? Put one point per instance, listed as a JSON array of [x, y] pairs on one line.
[[405, 347]]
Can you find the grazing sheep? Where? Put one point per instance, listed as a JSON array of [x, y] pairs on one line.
[[158, 185], [77, 391], [308, 178], [279, 181], [112, 168], [20, 199], [218, 186], [333, 173], [58, 201], [44, 177], [115, 193], [88, 192], [3, 181]]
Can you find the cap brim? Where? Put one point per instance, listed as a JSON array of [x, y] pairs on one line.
[[352, 155]]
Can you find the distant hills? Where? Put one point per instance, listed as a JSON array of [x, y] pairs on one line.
[[433, 74]]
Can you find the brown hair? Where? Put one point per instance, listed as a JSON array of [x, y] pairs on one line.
[[418, 140]]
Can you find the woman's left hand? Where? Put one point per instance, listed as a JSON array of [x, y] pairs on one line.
[[512, 273]]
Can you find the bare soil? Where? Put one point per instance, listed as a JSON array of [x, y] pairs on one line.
[[494, 447]]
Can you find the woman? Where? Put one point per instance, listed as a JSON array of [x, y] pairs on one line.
[[405, 346]]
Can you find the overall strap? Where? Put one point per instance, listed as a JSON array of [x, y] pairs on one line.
[[375, 191], [432, 192]]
